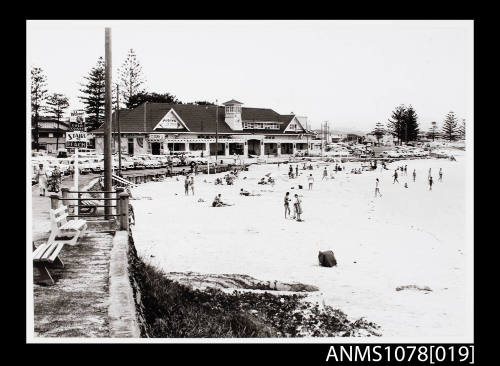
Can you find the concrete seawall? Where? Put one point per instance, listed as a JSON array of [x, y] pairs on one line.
[[123, 318]]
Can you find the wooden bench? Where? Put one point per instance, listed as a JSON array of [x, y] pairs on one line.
[[61, 227], [45, 255]]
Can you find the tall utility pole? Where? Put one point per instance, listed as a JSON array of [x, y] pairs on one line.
[[307, 136], [107, 123], [117, 113], [216, 133]]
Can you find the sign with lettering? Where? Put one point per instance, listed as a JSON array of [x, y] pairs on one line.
[[77, 120], [170, 121], [76, 139], [156, 137]]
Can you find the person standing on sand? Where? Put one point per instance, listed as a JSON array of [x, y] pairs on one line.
[[440, 174], [186, 185], [298, 207], [191, 183], [395, 177], [377, 189], [430, 182], [297, 170], [287, 203], [414, 175], [42, 179], [310, 179], [406, 169], [325, 174]]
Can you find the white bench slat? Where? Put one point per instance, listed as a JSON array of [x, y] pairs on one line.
[[59, 210], [39, 251], [60, 226], [56, 251], [72, 225], [60, 218], [49, 251]]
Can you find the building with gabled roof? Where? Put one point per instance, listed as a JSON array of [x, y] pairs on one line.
[[162, 128], [51, 133]]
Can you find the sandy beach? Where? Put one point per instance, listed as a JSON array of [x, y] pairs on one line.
[[409, 237]]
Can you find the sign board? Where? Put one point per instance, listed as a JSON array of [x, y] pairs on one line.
[[169, 121], [77, 120], [156, 137], [76, 139]]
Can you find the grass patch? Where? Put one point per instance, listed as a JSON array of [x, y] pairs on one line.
[[173, 310]]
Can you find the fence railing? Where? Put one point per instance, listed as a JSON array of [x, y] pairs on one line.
[[118, 205]]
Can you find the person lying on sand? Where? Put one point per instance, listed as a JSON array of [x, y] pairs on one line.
[[246, 193]]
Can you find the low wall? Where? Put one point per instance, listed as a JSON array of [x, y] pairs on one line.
[[122, 313]]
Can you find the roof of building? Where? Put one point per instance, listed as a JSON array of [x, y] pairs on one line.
[[50, 123], [198, 118], [232, 101]]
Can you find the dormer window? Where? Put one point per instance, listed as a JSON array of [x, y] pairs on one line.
[[233, 114], [233, 109]]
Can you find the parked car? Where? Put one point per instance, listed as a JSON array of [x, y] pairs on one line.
[[84, 165], [202, 161], [391, 154], [176, 161], [150, 162], [162, 159], [138, 162], [97, 164], [128, 162], [62, 153], [36, 154], [68, 165]]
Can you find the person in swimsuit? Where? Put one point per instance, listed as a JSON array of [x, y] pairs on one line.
[[186, 185], [377, 189], [287, 203], [395, 177], [310, 179]]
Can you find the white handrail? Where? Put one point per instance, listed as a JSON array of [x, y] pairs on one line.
[[121, 180]]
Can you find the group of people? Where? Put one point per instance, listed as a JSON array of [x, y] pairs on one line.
[[297, 206], [229, 178], [188, 184], [268, 180], [290, 171], [48, 182], [404, 168]]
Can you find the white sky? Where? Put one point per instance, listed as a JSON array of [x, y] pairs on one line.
[[350, 73]]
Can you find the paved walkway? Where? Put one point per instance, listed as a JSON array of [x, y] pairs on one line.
[[77, 304], [40, 205]]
